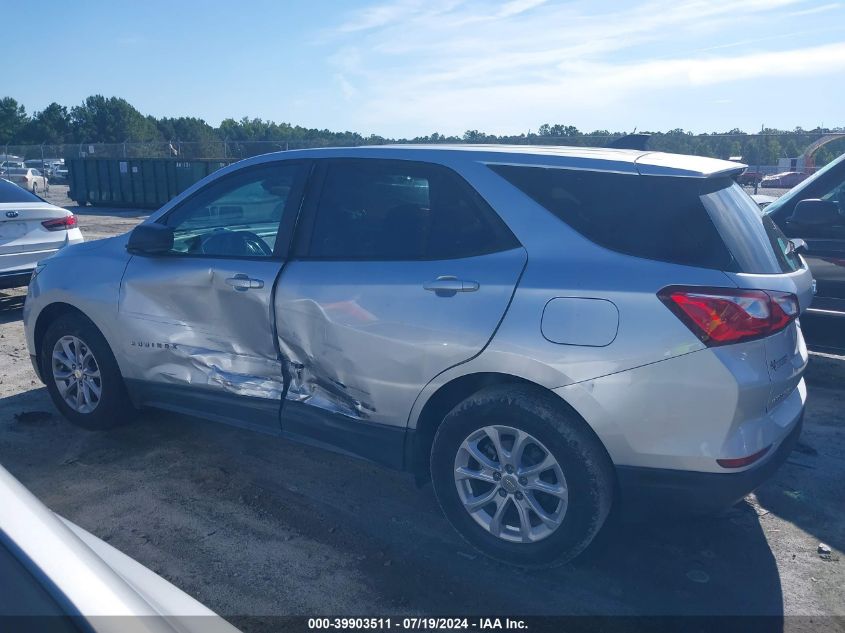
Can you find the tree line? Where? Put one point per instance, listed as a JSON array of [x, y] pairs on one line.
[[100, 119]]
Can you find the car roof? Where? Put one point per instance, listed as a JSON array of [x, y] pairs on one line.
[[587, 158]]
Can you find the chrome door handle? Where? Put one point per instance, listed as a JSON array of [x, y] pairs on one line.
[[449, 285], [243, 282]]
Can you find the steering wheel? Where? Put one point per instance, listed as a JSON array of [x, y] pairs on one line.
[[235, 244]]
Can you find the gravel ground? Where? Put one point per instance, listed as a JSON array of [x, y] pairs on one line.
[[254, 525]]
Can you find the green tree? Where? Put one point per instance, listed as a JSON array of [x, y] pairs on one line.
[[196, 137], [50, 125], [111, 120], [13, 120]]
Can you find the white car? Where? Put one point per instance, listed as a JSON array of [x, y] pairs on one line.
[[50, 568], [11, 164], [30, 230], [28, 178], [763, 201]]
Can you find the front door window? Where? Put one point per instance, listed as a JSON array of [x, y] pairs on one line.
[[238, 216]]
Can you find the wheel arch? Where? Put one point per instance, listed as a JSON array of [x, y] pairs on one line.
[[47, 316], [448, 396]]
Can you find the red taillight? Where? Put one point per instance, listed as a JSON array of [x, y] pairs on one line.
[[60, 224], [739, 462], [720, 316]]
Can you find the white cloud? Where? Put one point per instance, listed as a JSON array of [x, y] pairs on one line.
[[823, 8], [348, 91], [400, 12], [447, 64], [515, 7], [381, 15]]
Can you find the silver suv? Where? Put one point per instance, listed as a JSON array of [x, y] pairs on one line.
[[545, 332]]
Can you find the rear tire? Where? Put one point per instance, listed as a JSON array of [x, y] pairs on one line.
[[34, 188], [550, 482], [82, 376]]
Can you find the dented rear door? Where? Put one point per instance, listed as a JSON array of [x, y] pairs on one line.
[[401, 272], [198, 321]]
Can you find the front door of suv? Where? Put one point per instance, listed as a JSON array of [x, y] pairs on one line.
[[400, 270], [198, 320], [825, 243]]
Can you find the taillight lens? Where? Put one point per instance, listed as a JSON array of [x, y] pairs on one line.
[[60, 224], [720, 316], [739, 462]]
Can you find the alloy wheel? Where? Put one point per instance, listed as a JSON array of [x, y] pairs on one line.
[[76, 374], [511, 484]]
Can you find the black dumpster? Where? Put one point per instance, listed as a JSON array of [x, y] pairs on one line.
[[134, 182]]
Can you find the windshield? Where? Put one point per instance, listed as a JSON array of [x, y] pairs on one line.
[[752, 238]]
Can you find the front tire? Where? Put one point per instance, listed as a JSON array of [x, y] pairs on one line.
[[82, 376], [521, 477]]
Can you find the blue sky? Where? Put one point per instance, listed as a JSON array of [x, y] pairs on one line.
[[409, 67]]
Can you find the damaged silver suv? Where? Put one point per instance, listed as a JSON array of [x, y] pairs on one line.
[[545, 332]]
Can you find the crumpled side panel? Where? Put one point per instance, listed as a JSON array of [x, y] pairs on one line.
[[185, 324], [319, 371]]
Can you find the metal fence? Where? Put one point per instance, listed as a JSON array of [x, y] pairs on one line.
[[226, 150], [767, 149]]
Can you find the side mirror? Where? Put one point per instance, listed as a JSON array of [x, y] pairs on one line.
[[150, 239], [798, 245], [814, 213]]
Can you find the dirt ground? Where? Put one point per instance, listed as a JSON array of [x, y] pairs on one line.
[[253, 525]]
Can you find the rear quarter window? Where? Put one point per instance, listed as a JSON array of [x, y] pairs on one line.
[[757, 244], [654, 217]]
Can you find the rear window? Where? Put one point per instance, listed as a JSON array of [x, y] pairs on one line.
[[755, 241], [10, 192], [707, 223], [659, 218]]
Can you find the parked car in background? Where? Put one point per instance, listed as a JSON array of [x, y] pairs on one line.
[[60, 174], [30, 179], [58, 577], [762, 200], [543, 332], [46, 166], [747, 177], [783, 180], [6, 165], [31, 230], [814, 213]]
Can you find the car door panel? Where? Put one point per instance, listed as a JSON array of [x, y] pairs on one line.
[[221, 340], [826, 258], [410, 276], [198, 320], [361, 339], [825, 252]]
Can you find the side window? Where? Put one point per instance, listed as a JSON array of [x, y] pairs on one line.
[[837, 196], [399, 210], [236, 216]]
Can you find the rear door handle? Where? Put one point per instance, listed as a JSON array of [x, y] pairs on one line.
[[447, 285], [243, 282]]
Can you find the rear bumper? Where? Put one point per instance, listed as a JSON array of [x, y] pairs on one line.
[[648, 492], [15, 278]]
